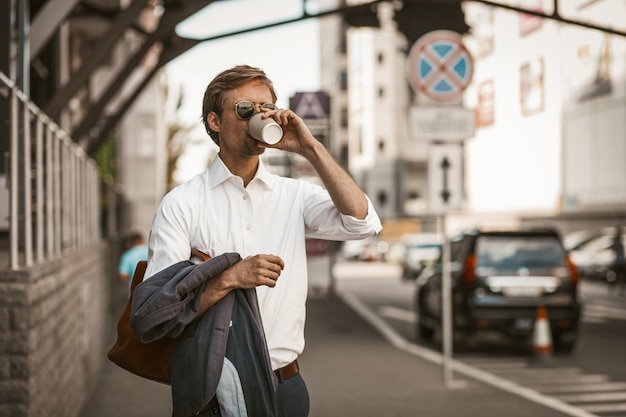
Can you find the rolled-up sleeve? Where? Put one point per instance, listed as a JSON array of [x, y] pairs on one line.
[[324, 221], [368, 226]]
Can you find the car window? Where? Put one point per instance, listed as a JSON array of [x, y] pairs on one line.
[[511, 252], [425, 246], [602, 243]]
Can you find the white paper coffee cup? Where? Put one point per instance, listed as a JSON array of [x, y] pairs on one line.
[[264, 130]]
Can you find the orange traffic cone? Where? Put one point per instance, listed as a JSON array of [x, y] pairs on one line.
[[542, 338]]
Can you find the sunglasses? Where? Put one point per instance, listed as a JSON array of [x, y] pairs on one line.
[[245, 109]]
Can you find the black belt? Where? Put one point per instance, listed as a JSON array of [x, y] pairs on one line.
[[287, 371]]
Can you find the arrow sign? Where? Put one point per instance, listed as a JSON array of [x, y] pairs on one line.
[[311, 105], [445, 192], [445, 177]]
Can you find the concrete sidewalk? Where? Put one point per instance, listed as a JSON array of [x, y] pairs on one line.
[[350, 370]]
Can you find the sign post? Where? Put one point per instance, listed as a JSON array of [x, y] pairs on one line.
[[440, 68], [445, 195]]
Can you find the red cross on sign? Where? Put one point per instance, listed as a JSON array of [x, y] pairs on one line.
[[439, 66]]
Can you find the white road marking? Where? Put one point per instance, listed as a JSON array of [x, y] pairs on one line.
[[399, 342], [529, 379], [608, 386], [594, 397], [596, 310], [398, 314], [533, 372], [497, 364], [605, 408]]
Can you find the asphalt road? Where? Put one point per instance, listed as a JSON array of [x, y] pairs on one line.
[[592, 379], [360, 360]]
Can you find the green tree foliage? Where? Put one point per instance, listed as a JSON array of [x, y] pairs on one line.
[[177, 137], [105, 159]]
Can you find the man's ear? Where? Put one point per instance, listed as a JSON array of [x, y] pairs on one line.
[[213, 121]]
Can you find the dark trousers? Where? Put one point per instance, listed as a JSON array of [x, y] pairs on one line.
[[292, 399]]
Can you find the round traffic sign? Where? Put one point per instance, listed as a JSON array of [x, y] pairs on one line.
[[440, 66]]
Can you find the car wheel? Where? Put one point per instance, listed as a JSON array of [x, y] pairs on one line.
[[564, 342], [423, 331], [405, 274], [611, 277], [459, 342]]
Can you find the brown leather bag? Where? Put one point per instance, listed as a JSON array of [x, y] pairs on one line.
[[148, 360]]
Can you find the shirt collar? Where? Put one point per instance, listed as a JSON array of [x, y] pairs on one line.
[[219, 173]]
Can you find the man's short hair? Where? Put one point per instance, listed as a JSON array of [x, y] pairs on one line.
[[225, 81]]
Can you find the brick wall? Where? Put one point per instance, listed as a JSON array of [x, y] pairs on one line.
[[56, 324]]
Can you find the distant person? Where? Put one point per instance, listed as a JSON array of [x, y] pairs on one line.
[[137, 250], [619, 265]]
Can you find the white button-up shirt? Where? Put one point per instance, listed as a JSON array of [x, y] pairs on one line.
[[213, 212]]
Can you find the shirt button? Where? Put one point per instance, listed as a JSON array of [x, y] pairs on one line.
[[245, 197], [248, 227]]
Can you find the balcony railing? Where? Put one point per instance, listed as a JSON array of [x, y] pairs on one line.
[[56, 198]]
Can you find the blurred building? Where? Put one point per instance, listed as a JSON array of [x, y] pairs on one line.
[[363, 69], [549, 101], [141, 141]]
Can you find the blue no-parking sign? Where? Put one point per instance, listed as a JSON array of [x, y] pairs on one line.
[[439, 66]]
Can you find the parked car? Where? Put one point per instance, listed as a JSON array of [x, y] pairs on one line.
[[499, 278], [595, 258], [395, 251], [421, 250], [574, 241], [369, 249]]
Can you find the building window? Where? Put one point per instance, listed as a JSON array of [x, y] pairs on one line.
[[343, 80], [381, 57], [344, 155], [344, 117], [382, 198], [381, 91], [343, 40], [360, 143], [381, 145]]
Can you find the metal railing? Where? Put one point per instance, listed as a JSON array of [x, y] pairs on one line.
[[54, 188]]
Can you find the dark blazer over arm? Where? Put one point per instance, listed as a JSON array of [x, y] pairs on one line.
[[166, 305]]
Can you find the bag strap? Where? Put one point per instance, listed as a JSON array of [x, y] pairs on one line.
[[198, 253], [140, 270]]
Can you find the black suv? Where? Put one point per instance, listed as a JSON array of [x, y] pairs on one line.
[[498, 280]]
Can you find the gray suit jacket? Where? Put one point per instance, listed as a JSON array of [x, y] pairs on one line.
[[166, 305]]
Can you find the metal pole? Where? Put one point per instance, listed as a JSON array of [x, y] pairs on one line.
[[23, 63], [14, 180], [39, 193], [57, 189], [446, 305], [27, 184], [50, 203]]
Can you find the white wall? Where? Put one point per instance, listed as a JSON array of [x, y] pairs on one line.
[[142, 149], [514, 164], [594, 144]]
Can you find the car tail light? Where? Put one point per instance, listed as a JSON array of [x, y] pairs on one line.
[[573, 271], [480, 323], [469, 273]]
